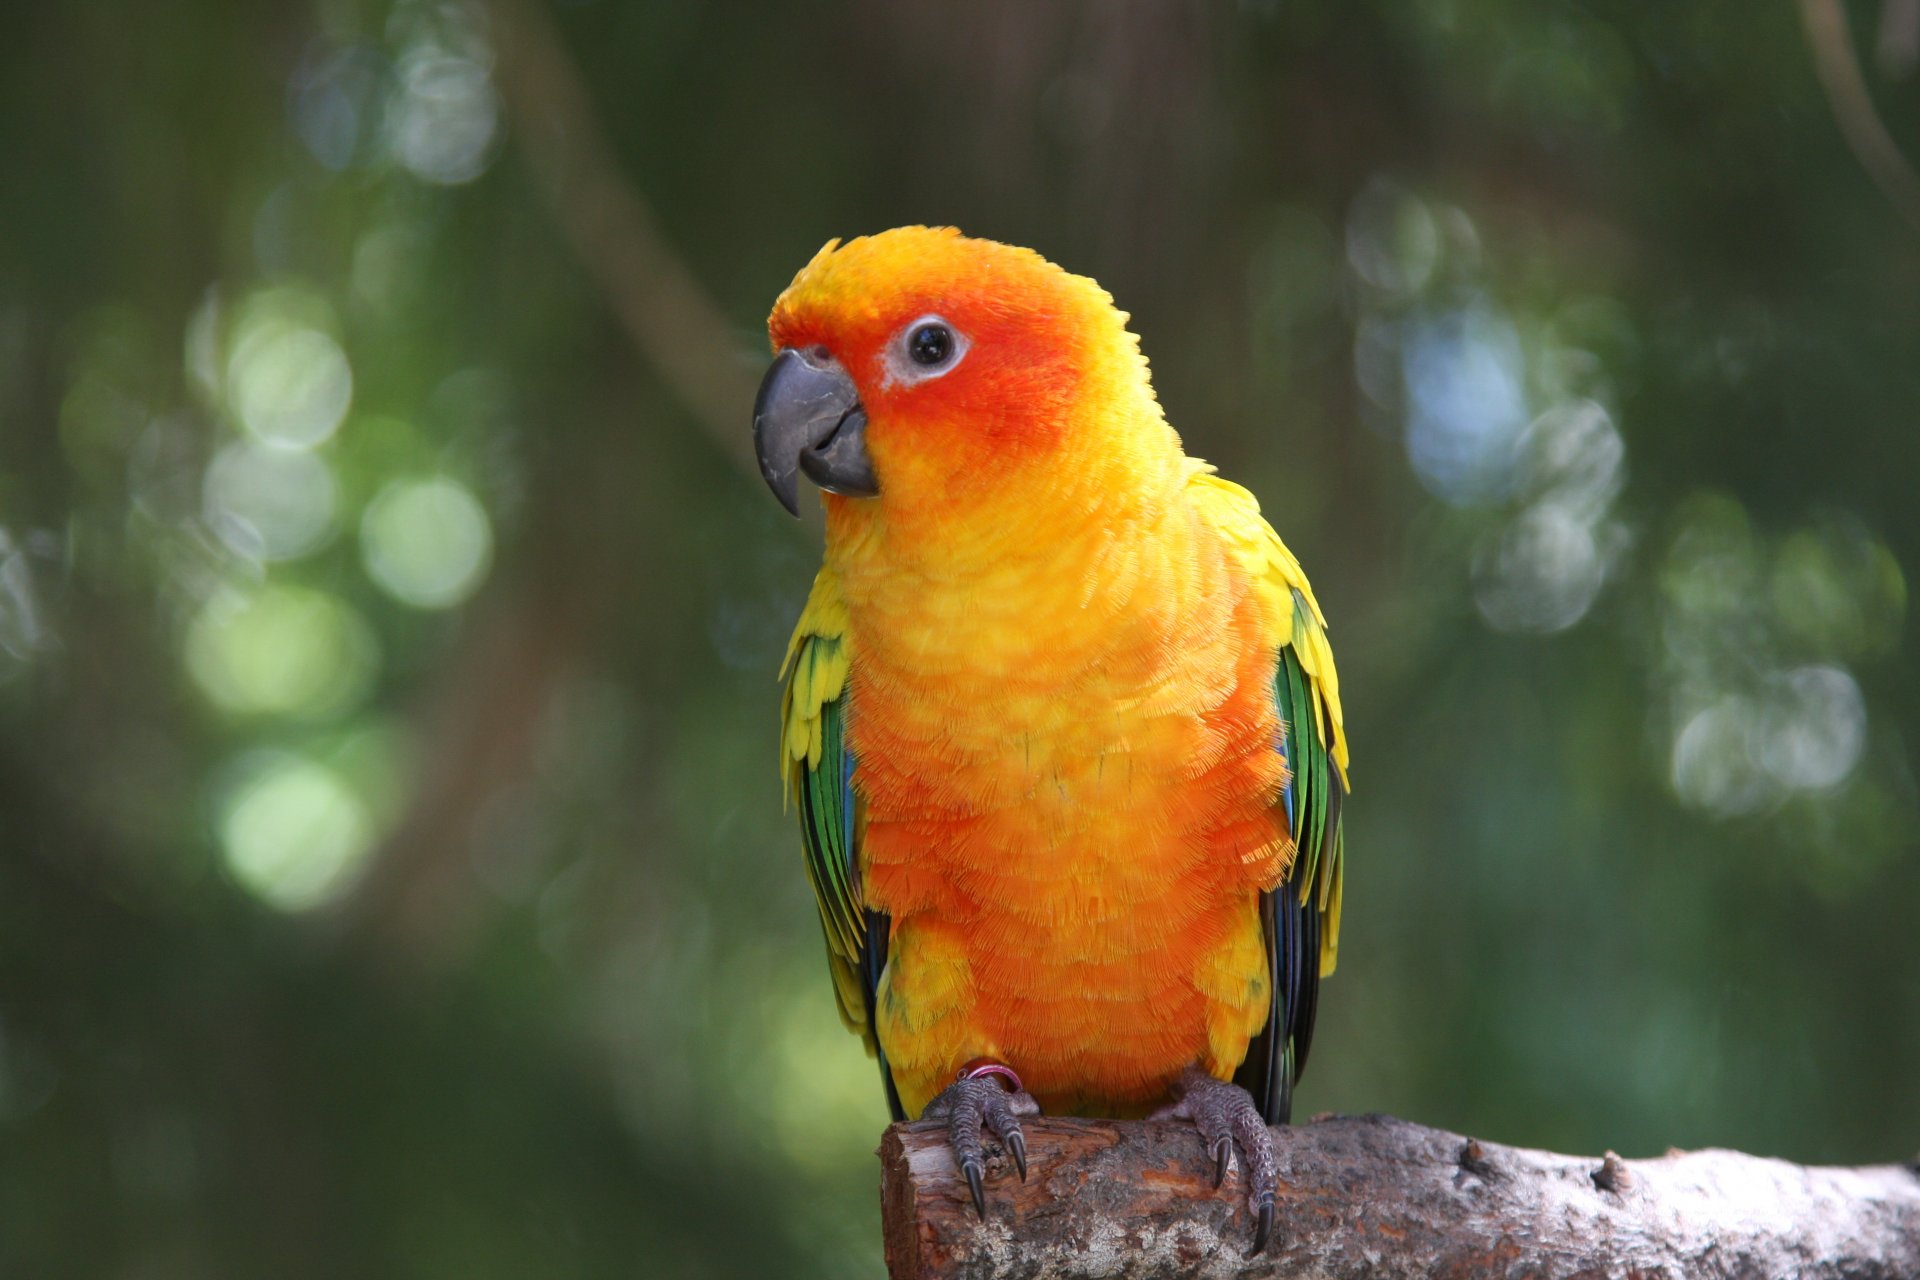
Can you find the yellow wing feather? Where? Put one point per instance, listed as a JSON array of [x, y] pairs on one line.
[[816, 673]]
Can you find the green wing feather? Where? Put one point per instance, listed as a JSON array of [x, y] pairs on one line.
[[817, 766], [813, 762], [1319, 782]]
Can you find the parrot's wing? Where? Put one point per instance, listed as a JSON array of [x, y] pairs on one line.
[[817, 766], [1301, 918]]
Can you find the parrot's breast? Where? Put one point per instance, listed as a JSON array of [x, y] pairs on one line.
[[1068, 765]]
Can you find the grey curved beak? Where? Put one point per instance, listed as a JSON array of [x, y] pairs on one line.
[[807, 418]]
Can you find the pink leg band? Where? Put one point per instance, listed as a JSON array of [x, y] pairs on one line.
[[979, 1067]]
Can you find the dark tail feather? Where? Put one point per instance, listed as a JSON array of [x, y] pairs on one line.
[[879, 931]]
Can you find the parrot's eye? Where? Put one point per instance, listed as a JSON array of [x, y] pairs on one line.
[[926, 349], [930, 344]]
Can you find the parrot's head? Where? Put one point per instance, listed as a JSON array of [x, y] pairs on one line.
[[922, 368]]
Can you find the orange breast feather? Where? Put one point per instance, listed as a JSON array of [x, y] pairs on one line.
[[1069, 776]]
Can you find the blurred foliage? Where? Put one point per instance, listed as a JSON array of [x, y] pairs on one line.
[[393, 877]]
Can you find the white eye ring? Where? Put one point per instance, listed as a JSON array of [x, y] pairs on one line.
[[906, 365]]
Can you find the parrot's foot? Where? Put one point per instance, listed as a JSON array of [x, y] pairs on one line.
[[989, 1094], [1226, 1117]]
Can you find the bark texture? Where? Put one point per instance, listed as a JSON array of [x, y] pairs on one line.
[[1376, 1197]]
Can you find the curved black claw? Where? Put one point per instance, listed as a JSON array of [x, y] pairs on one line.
[[973, 1104], [1226, 1117], [972, 1169]]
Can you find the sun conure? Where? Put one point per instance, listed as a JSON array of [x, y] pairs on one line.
[[1061, 720]]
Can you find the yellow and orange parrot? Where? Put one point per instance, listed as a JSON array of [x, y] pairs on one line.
[[1061, 720]]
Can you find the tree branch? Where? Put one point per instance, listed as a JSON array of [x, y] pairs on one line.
[[1846, 86], [1372, 1196], [666, 312]]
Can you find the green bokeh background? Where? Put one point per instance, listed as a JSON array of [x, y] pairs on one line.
[[393, 875]]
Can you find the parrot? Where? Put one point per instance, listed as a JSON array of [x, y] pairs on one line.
[[1060, 717]]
